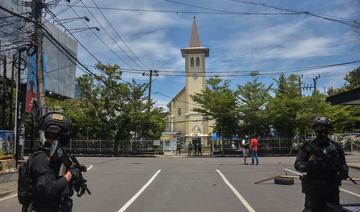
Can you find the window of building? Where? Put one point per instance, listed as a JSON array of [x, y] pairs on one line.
[[192, 62], [197, 62], [179, 111]]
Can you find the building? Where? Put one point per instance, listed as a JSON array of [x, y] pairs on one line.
[[192, 126], [59, 69], [351, 97]]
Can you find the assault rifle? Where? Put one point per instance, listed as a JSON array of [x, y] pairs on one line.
[[71, 162], [326, 156]]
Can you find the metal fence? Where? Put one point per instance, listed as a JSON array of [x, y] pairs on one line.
[[279, 146], [350, 142], [268, 146], [109, 147]]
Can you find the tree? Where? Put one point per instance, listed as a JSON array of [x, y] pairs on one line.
[[282, 110], [353, 78], [218, 102], [352, 81], [253, 98], [78, 114], [121, 107]]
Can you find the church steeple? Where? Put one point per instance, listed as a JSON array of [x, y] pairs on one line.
[[194, 39], [194, 44]]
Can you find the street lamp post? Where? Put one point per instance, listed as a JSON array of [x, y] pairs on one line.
[[75, 30], [67, 20]]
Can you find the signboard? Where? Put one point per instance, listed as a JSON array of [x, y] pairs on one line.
[[6, 141], [31, 88], [169, 141]]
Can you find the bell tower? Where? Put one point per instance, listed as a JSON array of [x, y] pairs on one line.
[[195, 56]]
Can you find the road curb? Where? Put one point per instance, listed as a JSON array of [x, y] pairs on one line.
[[354, 165], [8, 177]]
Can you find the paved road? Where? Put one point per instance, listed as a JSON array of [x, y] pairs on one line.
[[189, 184]]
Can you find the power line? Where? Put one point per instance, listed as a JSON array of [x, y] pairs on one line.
[[82, 45], [161, 94], [286, 70], [337, 20], [104, 29], [185, 12], [215, 10], [121, 38], [46, 20], [63, 49]]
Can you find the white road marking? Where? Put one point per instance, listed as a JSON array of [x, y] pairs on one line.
[[341, 189], [8, 197], [90, 167], [237, 194], [128, 203]]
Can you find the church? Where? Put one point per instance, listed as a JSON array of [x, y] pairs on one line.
[[191, 126]]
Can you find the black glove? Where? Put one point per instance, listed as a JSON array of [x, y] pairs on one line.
[[75, 174], [318, 164]]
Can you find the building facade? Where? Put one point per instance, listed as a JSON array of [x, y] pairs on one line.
[[192, 126], [59, 69]]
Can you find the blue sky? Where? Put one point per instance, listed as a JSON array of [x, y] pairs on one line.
[[237, 43]]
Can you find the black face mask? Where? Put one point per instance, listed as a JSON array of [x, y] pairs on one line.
[[322, 135]]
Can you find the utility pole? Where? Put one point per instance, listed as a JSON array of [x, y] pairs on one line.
[[4, 95], [300, 83], [151, 73], [37, 6], [11, 90], [315, 80], [18, 114]]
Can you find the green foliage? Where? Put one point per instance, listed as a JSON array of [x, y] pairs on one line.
[[218, 102], [253, 98], [112, 110], [353, 78], [352, 81], [287, 111]]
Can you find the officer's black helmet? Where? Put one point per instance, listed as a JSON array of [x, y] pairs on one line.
[[321, 123], [56, 124]]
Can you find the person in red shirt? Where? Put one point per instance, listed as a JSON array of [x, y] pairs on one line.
[[254, 144]]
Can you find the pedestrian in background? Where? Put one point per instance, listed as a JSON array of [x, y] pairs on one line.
[[195, 148], [190, 146], [254, 145], [245, 145], [178, 148], [199, 149]]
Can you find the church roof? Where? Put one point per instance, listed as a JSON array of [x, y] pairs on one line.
[[175, 97], [194, 38]]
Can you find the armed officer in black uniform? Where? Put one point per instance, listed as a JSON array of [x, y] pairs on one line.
[[51, 192], [323, 160]]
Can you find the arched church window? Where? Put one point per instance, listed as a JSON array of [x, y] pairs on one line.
[[197, 62], [192, 62]]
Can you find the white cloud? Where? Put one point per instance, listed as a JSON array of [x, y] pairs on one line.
[[282, 41], [310, 47]]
